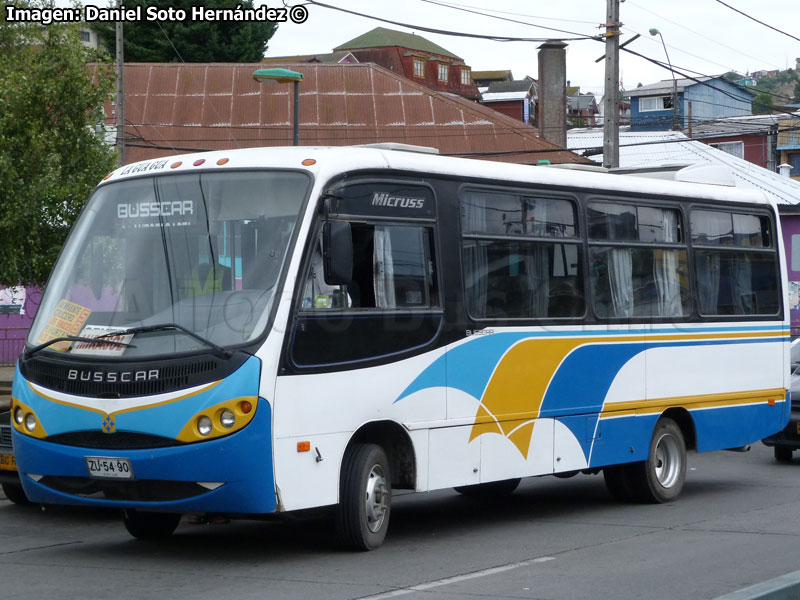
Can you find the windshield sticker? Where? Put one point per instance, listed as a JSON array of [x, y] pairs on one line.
[[153, 165], [67, 319], [101, 348]]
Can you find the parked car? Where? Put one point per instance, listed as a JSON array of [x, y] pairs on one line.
[[788, 440], [9, 478]]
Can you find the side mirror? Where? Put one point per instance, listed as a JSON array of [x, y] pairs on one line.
[[337, 252]]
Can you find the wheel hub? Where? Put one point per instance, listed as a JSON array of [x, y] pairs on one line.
[[375, 498], [667, 461]]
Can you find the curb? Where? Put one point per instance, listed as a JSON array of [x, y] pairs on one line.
[[785, 587]]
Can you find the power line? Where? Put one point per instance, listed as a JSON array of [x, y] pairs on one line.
[[702, 35], [744, 14], [495, 38]]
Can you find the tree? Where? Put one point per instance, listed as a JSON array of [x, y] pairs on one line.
[[190, 40], [51, 149], [762, 104], [797, 91]]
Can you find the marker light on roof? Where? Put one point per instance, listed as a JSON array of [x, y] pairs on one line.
[[308, 162], [223, 161], [175, 165], [107, 176], [199, 162]]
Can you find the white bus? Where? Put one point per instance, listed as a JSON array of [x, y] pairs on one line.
[[258, 331]]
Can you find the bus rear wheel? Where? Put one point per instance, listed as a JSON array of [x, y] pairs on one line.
[[660, 478], [365, 498], [150, 525]]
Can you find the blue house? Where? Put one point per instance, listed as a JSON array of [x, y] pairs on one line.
[[700, 99]]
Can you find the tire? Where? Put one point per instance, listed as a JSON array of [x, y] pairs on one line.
[[661, 477], [487, 490], [15, 494], [619, 481], [782, 454], [150, 525], [365, 498]]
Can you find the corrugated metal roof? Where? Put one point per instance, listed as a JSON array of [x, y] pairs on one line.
[[173, 108], [381, 37], [649, 149]]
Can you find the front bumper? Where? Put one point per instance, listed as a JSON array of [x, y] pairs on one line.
[[178, 478]]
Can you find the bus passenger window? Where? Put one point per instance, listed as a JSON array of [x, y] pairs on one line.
[[735, 263]]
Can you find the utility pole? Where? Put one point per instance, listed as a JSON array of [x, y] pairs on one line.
[[611, 96], [120, 95]]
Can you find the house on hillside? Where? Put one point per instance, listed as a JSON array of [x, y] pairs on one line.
[[699, 99], [414, 57], [752, 138], [789, 144], [582, 110], [483, 79], [517, 99]]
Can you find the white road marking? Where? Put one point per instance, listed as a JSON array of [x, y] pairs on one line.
[[457, 579]]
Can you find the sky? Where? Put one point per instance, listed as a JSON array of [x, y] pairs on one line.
[[701, 36]]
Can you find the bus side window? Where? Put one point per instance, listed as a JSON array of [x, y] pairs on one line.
[[392, 269]]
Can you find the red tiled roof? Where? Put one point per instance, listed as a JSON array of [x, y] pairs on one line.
[[173, 108]]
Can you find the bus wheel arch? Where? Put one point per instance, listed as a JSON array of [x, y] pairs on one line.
[[397, 445]]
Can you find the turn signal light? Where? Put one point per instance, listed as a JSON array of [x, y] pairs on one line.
[[303, 446], [245, 407]]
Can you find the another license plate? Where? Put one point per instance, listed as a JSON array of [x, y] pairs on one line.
[[7, 462], [106, 467]]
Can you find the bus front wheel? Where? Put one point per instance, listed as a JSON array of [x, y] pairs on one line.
[[365, 497], [150, 525]]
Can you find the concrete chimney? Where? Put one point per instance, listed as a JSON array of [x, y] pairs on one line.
[[552, 92]]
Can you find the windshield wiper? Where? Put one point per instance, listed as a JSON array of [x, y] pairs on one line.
[[77, 338], [167, 326]]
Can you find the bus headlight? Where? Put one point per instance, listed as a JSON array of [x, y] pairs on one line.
[[25, 420], [219, 420], [204, 426], [227, 419], [30, 422]]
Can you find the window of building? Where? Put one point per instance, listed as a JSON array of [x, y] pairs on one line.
[[735, 263], [444, 72], [419, 67], [521, 256], [655, 103], [466, 79], [734, 148], [86, 36], [637, 262]]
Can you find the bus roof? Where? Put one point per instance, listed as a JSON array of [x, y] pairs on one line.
[[324, 162]]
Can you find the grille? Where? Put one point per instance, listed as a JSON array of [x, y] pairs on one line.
[[120, 440], [172, 376], [5, 436], [141, 490]]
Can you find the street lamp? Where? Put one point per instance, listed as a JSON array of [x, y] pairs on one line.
[[675, 124], [285, 76]]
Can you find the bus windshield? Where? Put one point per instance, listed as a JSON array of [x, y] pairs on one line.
[[190, 262]]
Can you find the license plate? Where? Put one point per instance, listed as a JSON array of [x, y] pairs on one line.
[[7, 462], [106, 467]]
